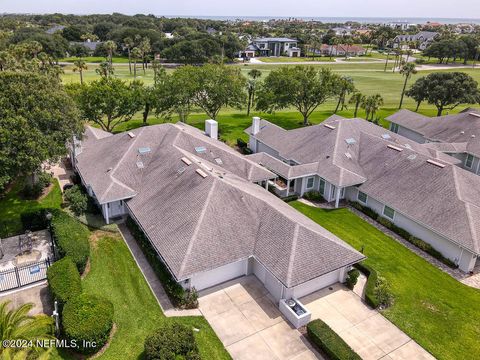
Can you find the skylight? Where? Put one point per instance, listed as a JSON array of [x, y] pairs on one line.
[[140, 164], [201, 149], [218, 161], [386, 136], [412, 157], [348, 155], [408, 146], [181, 170], [144, 150], [350, 141]]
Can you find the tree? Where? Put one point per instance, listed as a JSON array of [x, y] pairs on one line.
[[37, 118], [110, 46], [371, 104], [253, 74], [129, 44], [80, 65], [16, 324], [107, 102], [446, 90], [345, 86], [182, 89], [217, 86], [407, 71], [302, 87], [357, 99], [137, 54], [105, 69], [145, 48]]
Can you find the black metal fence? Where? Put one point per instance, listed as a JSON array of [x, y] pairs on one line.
[[19, 276]]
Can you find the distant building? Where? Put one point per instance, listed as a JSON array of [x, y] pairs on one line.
[[342, 50], [55, 29], [464, 28], [402, 25], [91, 46], [342, 31], [421, 40], [272, 47], [168, 35]]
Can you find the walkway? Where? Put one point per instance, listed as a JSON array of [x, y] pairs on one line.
[[61, 173], [152, 279]]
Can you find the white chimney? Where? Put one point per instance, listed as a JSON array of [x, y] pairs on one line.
[[255, 125], [211, 128]]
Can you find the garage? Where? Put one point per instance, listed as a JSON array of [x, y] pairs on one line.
[[315, 284], [219, 275]]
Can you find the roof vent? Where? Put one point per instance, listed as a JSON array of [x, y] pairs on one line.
[[473, 136], [350, 141], [412, 157], [408, 146], [331, 127], [474, 114], [462, 132], [386, 136], [396, 148], [131, 134], [219, 161], [181, 170], [202, 173], [144, 150], [186, 161], [348, 155], [436, 163], [201, 149], [140, 164]]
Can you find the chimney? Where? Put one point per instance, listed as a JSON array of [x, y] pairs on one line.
[[255, 125], [211, 129]]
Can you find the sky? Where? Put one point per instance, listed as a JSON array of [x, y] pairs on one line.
[[289, 8]]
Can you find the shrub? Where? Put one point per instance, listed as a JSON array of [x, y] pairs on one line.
[[370, 296], [177, 294], [76, 199], [241, 144], [382, 292], [44, 179], [32, 192], [72, 239], [385, 222], [88, 319], [171, 341], [364, 209], [36, 220], [313, 196], [64, 280], [329, 342], [352, 278], [290, 198]]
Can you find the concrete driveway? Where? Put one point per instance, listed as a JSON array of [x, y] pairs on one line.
[[365, 330], [249, 324]]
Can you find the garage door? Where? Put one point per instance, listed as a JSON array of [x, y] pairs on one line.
[[219, 275], [316, 284]]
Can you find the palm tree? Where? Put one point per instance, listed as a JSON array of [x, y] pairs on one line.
[[110, 46], [357, 98], [129, 44], [137, 54], [371, 105], [345, 87], [386, 61], [407, 71], [105, 69], [254, 74], [145, 48], [335, 41], [16, 324], [348, 43], [80, 65]]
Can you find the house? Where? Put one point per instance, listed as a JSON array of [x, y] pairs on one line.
[[54, 29], [91, 46], [271, 47], [421, 40], [342, 31], [456, 135], [416, 187], [200, 205], [342, 50], [402, 25]]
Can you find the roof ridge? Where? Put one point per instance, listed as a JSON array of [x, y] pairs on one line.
[[197, 228], [292, 253]]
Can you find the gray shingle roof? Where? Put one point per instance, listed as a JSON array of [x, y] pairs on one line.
[[275, 39], [197, 223], [463, 127]]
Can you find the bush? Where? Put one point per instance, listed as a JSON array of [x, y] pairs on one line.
[[313, 196], [171, 341], [64, 280], [36, 220], [382, 292], [290, 198], [32, 192], [329, 342], [44, 179], [365, 209], [88, 319], [370, 295], [385, 222], [241, 144], [72, 239], [76, 199], [176, 293], [352, 278]]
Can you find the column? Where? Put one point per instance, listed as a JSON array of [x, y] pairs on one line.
[[337, 196], [288, 187]]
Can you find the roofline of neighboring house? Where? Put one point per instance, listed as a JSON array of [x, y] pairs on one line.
[[414, 130], [424, 225], [123, 198]]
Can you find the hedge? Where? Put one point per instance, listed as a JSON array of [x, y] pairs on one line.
[[171, 341], [64, 280], [88, 319], [372, 276], [176, 293], [290, 198], [313, 196], [36, 220], [72, 239], [329, 342], [422, 245]]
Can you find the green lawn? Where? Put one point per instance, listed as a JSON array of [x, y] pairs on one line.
[[287, 59], [115, 275], [437, 311], [12, 205], [97, 59]]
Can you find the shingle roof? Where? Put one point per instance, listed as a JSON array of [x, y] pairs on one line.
[[443, 199], [198, 223], [275, 39], [463, 127]]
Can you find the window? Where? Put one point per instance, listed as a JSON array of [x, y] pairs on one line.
[[362, 197], [322, 187], [394, 128], [388, 212], [310, 182], [469, 161]]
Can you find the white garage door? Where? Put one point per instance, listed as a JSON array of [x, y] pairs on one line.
[[219, 275], [316, 284]]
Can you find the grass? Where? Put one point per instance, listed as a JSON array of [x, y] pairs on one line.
[[115, 275], [430, 306], [12, 205], [97, 59], [286, 59]]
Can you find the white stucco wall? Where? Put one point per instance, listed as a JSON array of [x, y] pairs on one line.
[[219, 275], [465, 259]]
